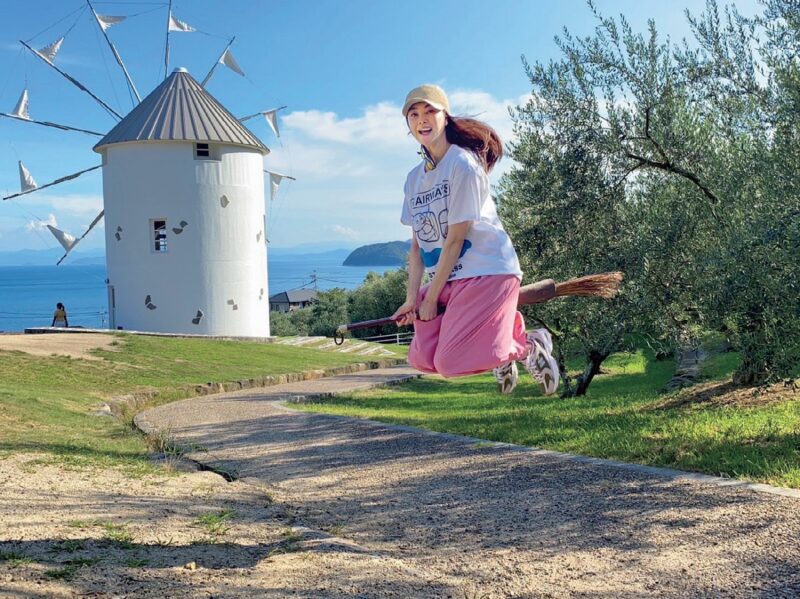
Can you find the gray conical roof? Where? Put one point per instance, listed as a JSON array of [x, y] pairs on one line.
[[180, 110]]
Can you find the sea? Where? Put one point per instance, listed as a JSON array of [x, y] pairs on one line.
[[28, 294]]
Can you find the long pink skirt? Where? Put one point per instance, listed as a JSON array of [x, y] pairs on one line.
[[481, 328]]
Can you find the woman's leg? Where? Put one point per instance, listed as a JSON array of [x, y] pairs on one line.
[[426, 336], [481, 328]]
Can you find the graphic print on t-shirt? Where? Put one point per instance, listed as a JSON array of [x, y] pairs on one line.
[[443, 222], [429, 209], [425, 227]]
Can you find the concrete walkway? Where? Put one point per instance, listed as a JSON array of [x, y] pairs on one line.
[[450, 517]]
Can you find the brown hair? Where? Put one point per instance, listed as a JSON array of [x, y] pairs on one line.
[[477, 137]]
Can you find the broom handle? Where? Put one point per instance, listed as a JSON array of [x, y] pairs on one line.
[[535, 293]]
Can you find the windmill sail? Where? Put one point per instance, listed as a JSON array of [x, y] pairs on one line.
[[75, 241], [49, 52], [275, 181], [270, 115], [272, 120], [72, 80], [229, 61], [21, 109], [22, 170], [178, 25], [26, 182], [66, 240], [106, 21], [221, 60]]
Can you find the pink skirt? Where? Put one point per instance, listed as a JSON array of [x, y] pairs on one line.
[[480, 329]]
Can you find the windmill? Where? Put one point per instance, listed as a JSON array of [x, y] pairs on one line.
[[183, 200]]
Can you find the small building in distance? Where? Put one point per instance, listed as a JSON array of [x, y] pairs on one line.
[[287, 301]]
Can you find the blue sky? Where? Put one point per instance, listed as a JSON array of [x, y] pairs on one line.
[[342, 68]]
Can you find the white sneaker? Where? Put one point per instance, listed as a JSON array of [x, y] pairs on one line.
[[506, 376], [544, 337], [541, 363]]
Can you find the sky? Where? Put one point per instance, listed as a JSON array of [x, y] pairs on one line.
[[341, 67]]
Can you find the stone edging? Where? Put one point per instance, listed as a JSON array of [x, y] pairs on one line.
[[117, 406]]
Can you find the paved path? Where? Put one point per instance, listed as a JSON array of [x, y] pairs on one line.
[[454, 518]]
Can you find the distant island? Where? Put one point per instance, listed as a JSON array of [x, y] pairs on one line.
[[393, 253]]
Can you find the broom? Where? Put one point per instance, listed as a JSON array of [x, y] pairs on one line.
[[604, 285]]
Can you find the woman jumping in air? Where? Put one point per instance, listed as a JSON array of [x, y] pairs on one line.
[[460, 243]]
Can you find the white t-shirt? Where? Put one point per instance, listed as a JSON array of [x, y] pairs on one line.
[[457, 191]]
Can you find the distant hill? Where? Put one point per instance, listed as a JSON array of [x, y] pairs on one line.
[[50, 256], [393, 253], [288, 255]]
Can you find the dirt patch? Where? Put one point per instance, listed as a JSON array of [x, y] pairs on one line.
[[718, 394], [99, 533], [62, 344]]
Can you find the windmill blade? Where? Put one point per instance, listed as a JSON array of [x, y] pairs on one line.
[[79, 239], [65, 239], [49, 124], [176, 25], [275, 181], [218, 62], [107, 21], [56, 182], [49, 52], [21, 109], [72, 80], [104, 23], [21, 113], [269, 115], [26, 182]]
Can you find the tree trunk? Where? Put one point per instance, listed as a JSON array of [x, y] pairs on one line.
[[594, 360]]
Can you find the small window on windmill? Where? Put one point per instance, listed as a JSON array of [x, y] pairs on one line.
[[201, 151], [159, 229]]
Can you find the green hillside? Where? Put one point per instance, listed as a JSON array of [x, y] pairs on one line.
[[393, 253]]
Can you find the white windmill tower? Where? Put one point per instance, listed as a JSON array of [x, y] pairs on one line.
[[183, 191], [183, 195]]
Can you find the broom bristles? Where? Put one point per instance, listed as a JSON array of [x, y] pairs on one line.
[[605, 285]]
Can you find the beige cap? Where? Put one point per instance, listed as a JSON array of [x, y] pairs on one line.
[[432, 94]]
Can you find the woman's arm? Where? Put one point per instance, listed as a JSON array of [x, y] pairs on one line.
[[405, 314], [451, 251]]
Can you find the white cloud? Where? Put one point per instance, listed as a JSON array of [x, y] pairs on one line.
[[345, 232], [74, 205], [38, 225], [381, 123], [303, 159]]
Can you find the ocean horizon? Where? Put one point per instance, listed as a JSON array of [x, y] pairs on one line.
[[28, 294]]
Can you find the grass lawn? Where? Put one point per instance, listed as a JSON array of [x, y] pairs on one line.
[[622, 417], [45, 402]]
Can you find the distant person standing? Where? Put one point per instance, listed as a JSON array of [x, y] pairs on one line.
[[60, 316]]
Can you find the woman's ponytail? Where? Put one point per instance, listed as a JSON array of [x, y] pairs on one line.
[[477, 137]]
